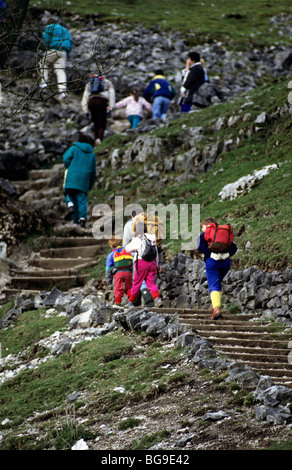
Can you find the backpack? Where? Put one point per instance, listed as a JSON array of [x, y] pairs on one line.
[[148, 249], [96, 84], [153, 224], [219, 237], [123, 259]]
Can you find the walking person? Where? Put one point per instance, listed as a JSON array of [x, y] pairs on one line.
[[119, 267], [135, 106], [99, 99], [80, 163], [217, 265], [162, 93], [146, 266], [194, 77], [58, 43]]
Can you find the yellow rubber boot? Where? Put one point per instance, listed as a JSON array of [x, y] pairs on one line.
[[216, 304]]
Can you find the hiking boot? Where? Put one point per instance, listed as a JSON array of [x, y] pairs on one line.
[[216, 313], [158, 302], [82, 223], [69, 214], [130, 305]]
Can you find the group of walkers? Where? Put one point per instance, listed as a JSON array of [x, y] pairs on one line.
[[140, 253], [99, 97], [134, 262]]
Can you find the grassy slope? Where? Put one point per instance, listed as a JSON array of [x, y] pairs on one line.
[[262, 217], [234, 21], [94, 368]]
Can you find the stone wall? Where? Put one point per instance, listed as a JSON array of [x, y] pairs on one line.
[[183, 284]]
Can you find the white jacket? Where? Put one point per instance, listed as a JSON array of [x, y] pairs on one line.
[[135, 245], [108, 93]]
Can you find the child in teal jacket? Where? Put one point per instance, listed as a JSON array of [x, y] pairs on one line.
[[80, 163]]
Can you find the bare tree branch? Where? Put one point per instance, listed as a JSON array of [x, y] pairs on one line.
[[11, 27]]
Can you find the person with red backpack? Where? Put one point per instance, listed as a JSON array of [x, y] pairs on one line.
[[216, 243], [119, 265]]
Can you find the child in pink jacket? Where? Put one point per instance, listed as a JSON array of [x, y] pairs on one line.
[[134, 105], [144, 270]]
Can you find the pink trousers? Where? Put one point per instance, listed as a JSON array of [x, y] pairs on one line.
[[146, 271]]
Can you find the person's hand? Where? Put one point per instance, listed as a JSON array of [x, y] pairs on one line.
[[188, 63]]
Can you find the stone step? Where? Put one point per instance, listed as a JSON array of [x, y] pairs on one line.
[[237, 334], [45, 273], [266, 356], [46, 173], [35, 184], [59, 242], [11, 292], [256, 343], [272, 353], [204, 314], [47, 282], [72, 252], [59, 263]]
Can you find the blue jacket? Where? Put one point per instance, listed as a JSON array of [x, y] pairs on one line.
[[203, 247], [80, 162], [159, 87], [57, 37]]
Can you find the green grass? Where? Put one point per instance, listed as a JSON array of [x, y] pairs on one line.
[[31, 325], [95, 368], [149, 440], [239, 23], [283, 445]]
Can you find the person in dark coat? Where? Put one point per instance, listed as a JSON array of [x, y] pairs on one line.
[[80, 164], [194, 78]]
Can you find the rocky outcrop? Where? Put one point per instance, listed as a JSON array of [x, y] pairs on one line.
[[18, 221]]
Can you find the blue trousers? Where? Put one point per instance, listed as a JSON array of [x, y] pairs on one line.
[[134, 120], [216, 271], [79, 201], [160, 107], [185, 108]]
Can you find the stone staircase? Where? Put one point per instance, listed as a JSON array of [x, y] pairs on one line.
[[59, 266], [242, 338], [71, 248]]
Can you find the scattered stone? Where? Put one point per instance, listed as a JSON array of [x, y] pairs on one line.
[[245, 184], [215, 416], [80, 445]]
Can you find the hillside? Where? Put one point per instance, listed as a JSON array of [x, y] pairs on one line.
[[229, 145]]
